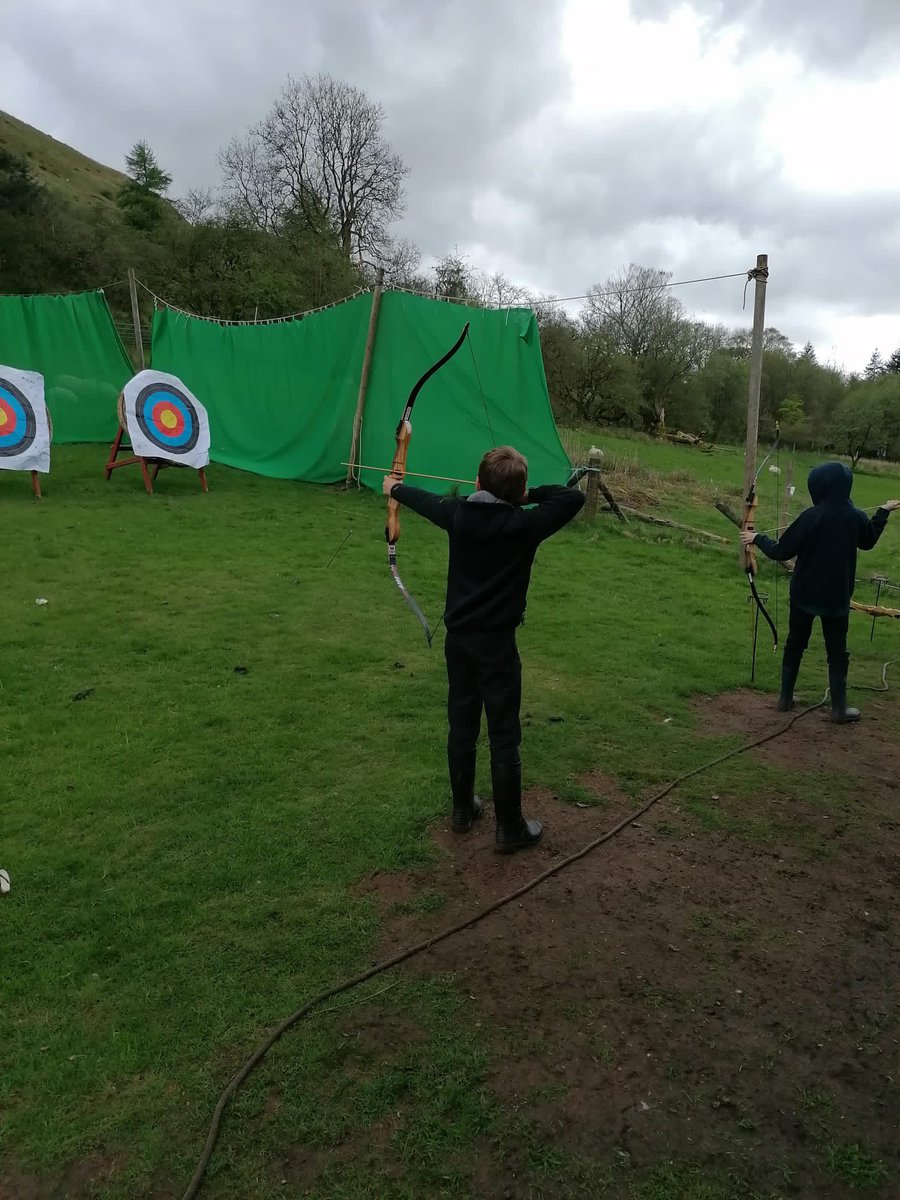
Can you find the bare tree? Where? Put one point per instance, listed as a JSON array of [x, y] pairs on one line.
[[197, 206], [496, 291], [401, 260], [319, 153]]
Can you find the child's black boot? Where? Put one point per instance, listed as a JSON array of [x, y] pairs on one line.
[[467, 807], [789, 673], [837, 678], [514, 832]]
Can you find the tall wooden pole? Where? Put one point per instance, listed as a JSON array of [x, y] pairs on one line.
[[136, 318], [364, 374], [760, 275]]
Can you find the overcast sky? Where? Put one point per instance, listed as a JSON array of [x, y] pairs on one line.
[[553, 141]]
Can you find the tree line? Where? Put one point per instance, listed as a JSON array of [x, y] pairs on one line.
[[303, 215]]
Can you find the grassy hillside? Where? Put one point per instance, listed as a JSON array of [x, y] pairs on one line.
[[63, 171]]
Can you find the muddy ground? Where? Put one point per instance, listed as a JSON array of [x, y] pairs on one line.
[[695, 997]]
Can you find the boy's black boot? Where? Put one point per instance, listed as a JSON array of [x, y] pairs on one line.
[[513, 831], [467, 807], [789, 673], [837, 678]]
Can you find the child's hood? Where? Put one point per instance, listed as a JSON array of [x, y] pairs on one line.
[[830, 483], [485, 516]]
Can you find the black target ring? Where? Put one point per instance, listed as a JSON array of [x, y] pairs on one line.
[[18, 421], [167, 418]]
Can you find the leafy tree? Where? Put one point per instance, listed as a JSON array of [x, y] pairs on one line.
[[146, 171], [453, 279], [644, 320], [723, 383], [774, 341], [140, 196], [859, 424], [20, 194], [792, 418]]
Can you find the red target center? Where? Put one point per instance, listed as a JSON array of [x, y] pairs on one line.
[[168, 419], [7, 416]]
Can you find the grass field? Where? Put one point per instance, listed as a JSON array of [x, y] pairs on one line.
[[214, 740]]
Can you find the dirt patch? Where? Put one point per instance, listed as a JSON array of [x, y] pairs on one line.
[[80, 1180], [683, 995], [866, 750]]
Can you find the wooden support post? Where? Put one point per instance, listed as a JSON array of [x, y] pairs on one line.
[[760, 275], [611, 500], [593, 483], [136, 318], [364, 375]]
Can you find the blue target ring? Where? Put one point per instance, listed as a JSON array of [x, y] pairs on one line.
[[18, 423], [167, 418]]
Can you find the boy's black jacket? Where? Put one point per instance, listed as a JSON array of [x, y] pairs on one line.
[[825, 539], [492, 548]]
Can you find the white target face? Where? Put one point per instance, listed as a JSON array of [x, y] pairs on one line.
[[166, 420], [24, 428]]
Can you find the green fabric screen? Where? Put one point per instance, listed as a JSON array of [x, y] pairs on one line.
[[281, 397], [72, 342], [493, 392]]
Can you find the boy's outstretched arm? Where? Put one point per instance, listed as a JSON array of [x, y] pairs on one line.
[[788, 545], [870, 530], [556, 506], [437, 509]]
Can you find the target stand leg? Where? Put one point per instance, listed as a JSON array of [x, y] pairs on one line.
[[161, 464], [36, 485], [114, 461]]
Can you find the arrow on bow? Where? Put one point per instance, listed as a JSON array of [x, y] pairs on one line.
[[398, 468], [748, 525]]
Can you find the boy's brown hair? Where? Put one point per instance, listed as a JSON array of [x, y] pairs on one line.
[[504, 473]]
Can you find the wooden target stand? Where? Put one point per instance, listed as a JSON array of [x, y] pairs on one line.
[[157, 464], [35, 475]]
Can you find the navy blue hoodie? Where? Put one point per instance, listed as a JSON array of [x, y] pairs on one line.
[[824, 540], [492, 548]]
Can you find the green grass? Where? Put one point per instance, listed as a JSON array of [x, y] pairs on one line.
[[258, 731], [687, 482], [855, 1166], [62, 170]]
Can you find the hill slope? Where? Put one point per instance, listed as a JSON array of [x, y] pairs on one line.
[[62, 170]]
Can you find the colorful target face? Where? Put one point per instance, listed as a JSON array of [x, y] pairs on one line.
[[166, 420], [18, 424], [167, 417], [24, 427]]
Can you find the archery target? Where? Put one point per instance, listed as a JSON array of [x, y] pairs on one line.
[[24, 422], [165, 419]]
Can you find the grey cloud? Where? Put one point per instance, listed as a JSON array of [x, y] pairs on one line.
[[188, 75], [474, 95], [844, 36]]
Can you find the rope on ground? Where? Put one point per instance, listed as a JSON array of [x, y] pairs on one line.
[[404, 955]]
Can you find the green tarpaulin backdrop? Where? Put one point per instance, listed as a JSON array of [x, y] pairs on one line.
[[281, 398], [72, 342]]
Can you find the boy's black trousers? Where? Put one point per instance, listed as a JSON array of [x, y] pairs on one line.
[[483, 672], [834, 630]]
